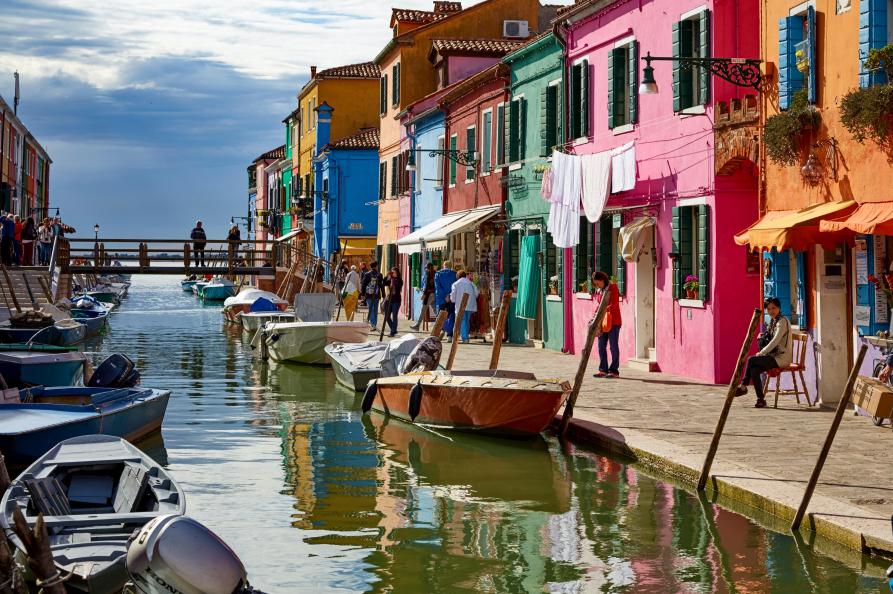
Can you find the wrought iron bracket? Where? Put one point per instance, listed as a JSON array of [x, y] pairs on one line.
[[741, 72], [460, 157]]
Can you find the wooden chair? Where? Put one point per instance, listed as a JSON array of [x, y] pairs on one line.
[[797, 367]]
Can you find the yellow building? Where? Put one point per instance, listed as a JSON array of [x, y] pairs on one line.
[[352, 91], [407, 75]]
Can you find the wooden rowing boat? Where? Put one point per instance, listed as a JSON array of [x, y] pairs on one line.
[[493, 402]]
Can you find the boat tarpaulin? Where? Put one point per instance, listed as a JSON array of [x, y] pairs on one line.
[[870, 218], [632, 238], [528, 278], [314, 307], [412, 243], [263, 304], [796, 230]]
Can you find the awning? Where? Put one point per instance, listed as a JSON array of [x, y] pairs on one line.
[[411, 244], [632, 238], [357, 246], [795, 230], [289, 235], [870, 218]]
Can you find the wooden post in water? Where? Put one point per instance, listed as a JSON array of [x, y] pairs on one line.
[[500, 329], [829, 439], [595, 325], [186, 255], [40, 557], [730, 397], [457, 331], [439, 322]]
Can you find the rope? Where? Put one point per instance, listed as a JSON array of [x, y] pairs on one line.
[[55, 580]]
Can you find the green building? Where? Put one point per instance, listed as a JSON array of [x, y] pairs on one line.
[[533, 122]]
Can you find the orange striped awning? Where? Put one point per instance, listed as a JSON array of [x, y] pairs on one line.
[[796, 230], [870, 218]]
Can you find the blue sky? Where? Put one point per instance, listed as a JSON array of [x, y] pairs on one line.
[[151, 111]]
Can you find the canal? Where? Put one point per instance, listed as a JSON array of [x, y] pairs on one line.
[[315, 498]]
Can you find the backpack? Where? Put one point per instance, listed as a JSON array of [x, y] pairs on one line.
[[372, 287]]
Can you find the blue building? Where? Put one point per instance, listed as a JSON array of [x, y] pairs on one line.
[[345, 217]]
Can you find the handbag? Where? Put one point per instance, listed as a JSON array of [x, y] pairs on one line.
[[607, 322]]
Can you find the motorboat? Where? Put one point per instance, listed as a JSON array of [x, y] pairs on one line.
[[91, 313], [93, 492], [493, 402], [187, 285], [251, 299], [36, 419], [24, 365], [66, 332], [198, 286], [252, 321], [305, 342], [355, 365], [218, 289]]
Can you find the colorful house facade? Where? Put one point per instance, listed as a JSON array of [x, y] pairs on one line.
[[267, 221], [529, 124], [345, 173], [24, 168], [666, 231]]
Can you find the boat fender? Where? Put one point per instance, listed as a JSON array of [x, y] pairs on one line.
[[415, 400], [369, 396], [274, 338]]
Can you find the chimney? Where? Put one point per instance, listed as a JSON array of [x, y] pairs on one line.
[[313, 72], [323, 126]]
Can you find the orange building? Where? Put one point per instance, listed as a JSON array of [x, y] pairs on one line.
[[826, 198], [407, 75]]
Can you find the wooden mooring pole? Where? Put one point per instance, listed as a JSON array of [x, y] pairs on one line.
[[500, 329], [439, 322], [457, 332], [829, 439], [592, 331], [730, 397]]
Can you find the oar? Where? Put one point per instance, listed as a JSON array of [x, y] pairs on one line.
[[457, 331], [500, 329]]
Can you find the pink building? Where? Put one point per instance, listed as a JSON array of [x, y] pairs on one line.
[[695, 183], [267, 210]]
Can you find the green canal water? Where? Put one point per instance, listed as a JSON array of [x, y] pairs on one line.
[[316, 498]]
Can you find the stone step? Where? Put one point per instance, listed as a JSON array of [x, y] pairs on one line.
[[641, 364]]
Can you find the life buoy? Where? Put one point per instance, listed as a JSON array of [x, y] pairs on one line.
[[415, 400], [369, 396]]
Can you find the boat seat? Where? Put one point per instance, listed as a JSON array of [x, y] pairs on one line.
[[131, 488], [10, 396], [48, 496]]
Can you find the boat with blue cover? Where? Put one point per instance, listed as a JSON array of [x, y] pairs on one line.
[[218, 289], [33, 420], [91, 313], [36, 364]]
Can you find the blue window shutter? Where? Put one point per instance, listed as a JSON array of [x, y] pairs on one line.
[[781, 273], [802, 307], [811, 40], [872, 35], [790, 80]]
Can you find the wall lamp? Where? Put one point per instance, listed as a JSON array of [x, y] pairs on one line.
[[741, 72], [468, 159]]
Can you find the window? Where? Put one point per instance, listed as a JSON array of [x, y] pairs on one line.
[[394, 175], [691, 39], [470, 149], [438, 161], [315, 114], [517, 128], [383, 95], [500, 134], [579, 100], [395, 90], [553, 261], [797, 56], [454, 148], [623, 83], [550, 130], [584, 258], [382, 181], [875, 31], [308, 188], [691, 248], [300, 190], [487, 142]]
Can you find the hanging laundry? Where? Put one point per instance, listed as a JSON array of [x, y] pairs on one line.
[[623, 168], [528, 279], [567, 191], [546, 189], [596, 183]]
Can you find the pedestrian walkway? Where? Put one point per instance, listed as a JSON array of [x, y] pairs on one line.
[[765, 457]]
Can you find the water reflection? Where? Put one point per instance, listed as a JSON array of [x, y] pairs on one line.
[[316, 497]]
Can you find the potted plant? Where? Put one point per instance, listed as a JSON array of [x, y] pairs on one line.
[[691, 286], [553, 285], [784, 132], [867, 112]]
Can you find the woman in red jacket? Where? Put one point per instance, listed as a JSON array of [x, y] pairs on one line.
[[602, 282]]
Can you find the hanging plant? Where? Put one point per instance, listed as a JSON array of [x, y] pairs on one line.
[[783, 132], [866, 113]]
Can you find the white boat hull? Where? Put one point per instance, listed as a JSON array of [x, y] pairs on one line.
[[252, 322], [305, 342]]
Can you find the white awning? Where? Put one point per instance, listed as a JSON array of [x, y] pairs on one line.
[[435, 234], [289, 235]]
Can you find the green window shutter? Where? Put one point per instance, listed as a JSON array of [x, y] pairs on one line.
[[384, 94], [415, 266], [612, 93], [632, 81], [522, 129], [618, 82], [603, 262], [544, 122], [620, 265], [703, 252], [393, 176], [501, 116], [682, 91], [704, 52], [573, 112], [584, 99], [382, 180], [454, 146], [514, 131], [677, 247], [552, 96], [397, 84], [470, 146]]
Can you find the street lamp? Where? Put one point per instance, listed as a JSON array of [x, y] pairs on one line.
[[96, 231], [467, 159], [741, 72]]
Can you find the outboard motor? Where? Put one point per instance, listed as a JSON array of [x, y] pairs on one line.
[[117, 371], [178, 554]]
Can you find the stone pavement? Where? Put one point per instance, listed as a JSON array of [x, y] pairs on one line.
[[765, 456]]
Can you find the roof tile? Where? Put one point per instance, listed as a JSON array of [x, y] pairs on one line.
[[476, 46], [364, 70], [364, 138]]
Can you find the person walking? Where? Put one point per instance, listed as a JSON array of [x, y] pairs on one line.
[[351, 294], [464, 286], [234, 237], [340, 277], [395, 299], [7, 235], [427, 294], [775, 352], [17, 242], [373, 289], [45, 242], [609, 334], [29, 237], [199, 239], [443, 286], [363, 270]]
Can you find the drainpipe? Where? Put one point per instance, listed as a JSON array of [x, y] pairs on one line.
[[559, 29], [413, 187]]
